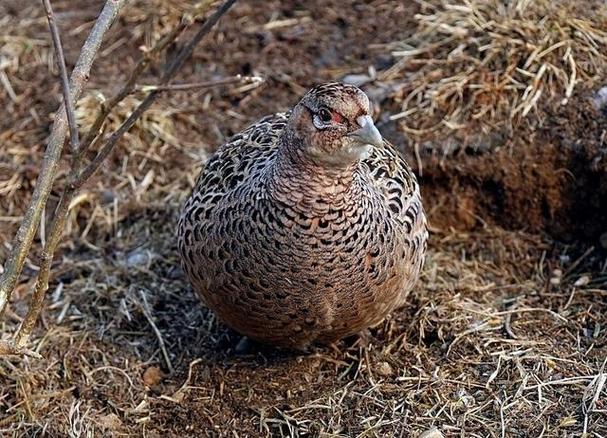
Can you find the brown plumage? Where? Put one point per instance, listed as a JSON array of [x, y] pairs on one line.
[[307, 226]]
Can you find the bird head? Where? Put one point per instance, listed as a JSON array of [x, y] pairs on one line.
[[334, 126]]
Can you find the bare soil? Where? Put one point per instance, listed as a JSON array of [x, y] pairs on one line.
[[505, 336], [547, 179]]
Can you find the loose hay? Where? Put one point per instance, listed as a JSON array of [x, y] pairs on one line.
[[152, 19], [488, 341], [488, 64]]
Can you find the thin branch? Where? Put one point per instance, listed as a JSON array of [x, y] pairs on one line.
[[105, 150], [65, 86], [77, 178], [161, 343], [25, 235], [129, 87], [186, 51], [199, 85], [50, 245], [35, 305]]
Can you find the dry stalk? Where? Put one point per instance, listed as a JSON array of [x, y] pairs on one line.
[[80, 174], [238, 79], [65, 85], [184, 54], [59, 221]]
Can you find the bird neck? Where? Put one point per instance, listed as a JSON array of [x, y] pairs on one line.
[[295, 178]]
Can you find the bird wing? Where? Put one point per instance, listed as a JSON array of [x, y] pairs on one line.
[[394, 178]]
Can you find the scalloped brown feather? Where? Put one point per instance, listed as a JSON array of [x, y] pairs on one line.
[[291, 254]]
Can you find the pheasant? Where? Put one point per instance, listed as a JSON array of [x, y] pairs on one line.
[[307, 226]]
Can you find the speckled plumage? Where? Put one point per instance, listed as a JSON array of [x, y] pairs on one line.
[[297, 233]]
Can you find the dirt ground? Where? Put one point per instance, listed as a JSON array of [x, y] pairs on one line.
[[506, 335]]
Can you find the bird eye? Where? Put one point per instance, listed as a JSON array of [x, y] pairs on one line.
[[325, 115]]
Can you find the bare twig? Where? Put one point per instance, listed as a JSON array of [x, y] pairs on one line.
[[186, 51], [129, 86], [238, 79], [78, 177], [61, 213], [68, 103], [59, 220], [25, 235], [161, 343]]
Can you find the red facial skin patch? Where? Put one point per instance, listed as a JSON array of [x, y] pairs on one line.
[[336, 117]]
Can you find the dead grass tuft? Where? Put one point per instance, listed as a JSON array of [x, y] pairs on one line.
[[154, 128], [487, 64], [152, 19], [19, 50]]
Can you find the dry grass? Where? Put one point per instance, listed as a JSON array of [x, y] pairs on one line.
[[504, 328], [504, 337], [19, 51], [153, 18], [488, 64]]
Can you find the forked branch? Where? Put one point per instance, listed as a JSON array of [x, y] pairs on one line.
[[27, 230], [68, 102], [80, 173]]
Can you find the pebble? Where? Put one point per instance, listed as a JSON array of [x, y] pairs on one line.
[[153, 376], [599, 99], [582, 281], [384, 369], [432, 433]]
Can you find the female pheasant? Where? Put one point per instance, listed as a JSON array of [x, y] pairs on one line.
[[307, 226]]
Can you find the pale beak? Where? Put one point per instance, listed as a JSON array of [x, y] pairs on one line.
[[368, 133]]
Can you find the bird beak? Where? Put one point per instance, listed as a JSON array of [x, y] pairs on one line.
[[368, 133]]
